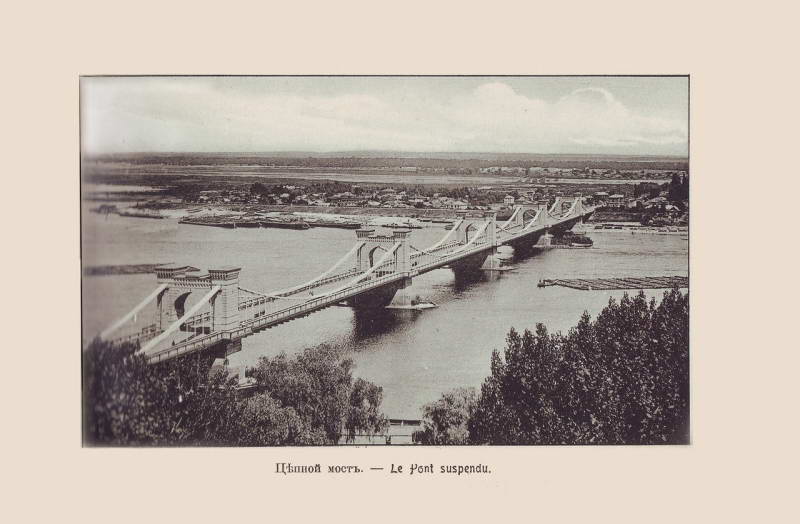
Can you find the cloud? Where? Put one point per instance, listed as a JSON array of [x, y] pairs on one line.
[[185, 114]]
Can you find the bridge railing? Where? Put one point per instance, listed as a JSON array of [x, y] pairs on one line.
[[324, 300], [323, 281], [198, 318], [187, 347], [247, 327], [261, 300], [374, 281], [439, 261], [422, 252], [143, 335]]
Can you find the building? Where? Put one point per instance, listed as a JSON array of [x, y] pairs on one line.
[[508, 200], [616, 201], [455, 204], [346, 201]]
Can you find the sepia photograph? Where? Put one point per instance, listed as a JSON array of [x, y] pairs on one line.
[[384, 260], [429, 261]]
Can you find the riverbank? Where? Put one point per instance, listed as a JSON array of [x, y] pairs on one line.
[[320, 210], [653, 230], [294, 217]]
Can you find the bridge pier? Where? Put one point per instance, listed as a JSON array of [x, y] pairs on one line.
[[226, 348], [524, 247], [565, 226], [378, 298], [470, 265]]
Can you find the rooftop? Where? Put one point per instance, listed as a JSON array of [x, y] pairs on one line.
[[226, 268]]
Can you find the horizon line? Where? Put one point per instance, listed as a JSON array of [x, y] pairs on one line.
[[391, 151]]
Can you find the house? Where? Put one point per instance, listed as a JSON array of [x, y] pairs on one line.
[[616, 201], [456, 204], [508, 200]]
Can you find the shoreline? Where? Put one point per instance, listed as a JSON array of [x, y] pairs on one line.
[[650, 230]]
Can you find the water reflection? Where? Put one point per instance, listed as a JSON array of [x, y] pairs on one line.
[[464, 281], [369, 324]]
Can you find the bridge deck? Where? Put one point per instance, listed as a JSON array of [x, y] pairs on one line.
[[422, 261]]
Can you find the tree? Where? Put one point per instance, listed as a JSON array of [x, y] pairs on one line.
[[130, 402], [679, 188], [123, 402], [259, 189], [364, 413], [318, 385], [305, 400], [445, 421], [622, 379], [263, 421]]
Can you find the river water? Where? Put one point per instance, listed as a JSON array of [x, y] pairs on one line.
[[414, 356]]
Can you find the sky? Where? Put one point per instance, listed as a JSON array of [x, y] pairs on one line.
[[565, 115]]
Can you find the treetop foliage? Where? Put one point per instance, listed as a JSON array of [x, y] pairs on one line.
[[310, 399], [621, 379]]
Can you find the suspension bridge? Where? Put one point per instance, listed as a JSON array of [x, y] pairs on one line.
[[196, 310]]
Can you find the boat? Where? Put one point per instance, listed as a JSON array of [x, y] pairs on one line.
[[284, 225], [248, 223], [341, 225], [140, 213], [207, 223], [414, 307], [578, 244]]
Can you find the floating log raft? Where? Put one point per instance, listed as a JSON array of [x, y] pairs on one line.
[[608, 284]]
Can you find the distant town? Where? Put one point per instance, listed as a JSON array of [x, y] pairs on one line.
[[655, 197]]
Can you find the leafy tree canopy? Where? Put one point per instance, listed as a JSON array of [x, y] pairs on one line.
[[621, 379], [310, 399]]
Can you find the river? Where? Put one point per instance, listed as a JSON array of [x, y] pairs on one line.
[[414, 356]]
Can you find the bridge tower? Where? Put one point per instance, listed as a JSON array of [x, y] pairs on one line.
[[580, 209], [537, 225], [180, 281], [527, 212], [374, 249], [225, 305], [187, 284], [376, 246], [491, 232], [470, 224]]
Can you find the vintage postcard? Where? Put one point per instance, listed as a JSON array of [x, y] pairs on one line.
[[385, 260]]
